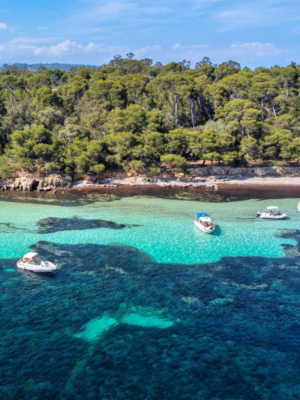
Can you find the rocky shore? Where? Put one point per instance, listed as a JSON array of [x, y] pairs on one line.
[[211, 177], [28, 183]]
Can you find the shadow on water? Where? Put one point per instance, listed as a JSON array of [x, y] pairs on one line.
[[218, 230], [115, 324], [34, 277]]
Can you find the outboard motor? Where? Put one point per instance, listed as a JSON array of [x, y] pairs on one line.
[[258, 214]]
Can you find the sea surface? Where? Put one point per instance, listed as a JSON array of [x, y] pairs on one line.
[[144, 305]]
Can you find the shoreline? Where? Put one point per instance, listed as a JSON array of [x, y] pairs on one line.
[[278, 183], [141, 184]]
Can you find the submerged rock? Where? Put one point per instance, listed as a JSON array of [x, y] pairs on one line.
[[51, 225]]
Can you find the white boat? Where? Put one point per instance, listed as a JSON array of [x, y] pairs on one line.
[[30, 263], [204, 223], [271, 212]]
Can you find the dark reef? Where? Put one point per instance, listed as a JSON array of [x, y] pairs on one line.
[[235, 332], [51, 225]]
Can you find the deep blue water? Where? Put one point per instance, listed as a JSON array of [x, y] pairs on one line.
[[116, 322]]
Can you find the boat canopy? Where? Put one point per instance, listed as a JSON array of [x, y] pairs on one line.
[[272, 208], [201, 215], [30, 255], [205, 219]]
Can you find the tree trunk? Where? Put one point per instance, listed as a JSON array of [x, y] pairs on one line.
[[28, 94], [171, 107], [193, 111], [202, 105], [12, 100], [273, 107], [263, 110], [176, 110], [287, 90], [235, 94], [175, 98]]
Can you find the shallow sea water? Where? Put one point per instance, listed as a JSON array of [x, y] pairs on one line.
[[145, 306], [160, 227]]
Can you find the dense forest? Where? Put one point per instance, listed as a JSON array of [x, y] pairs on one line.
[[131, 114]]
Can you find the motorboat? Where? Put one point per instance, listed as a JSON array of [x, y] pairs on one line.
[[271, 212], [204, 223], [31, 263]]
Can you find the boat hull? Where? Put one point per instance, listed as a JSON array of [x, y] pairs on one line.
[[203, 228], [37, 268], [268, 216]]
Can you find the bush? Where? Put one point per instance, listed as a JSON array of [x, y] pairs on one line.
[[231, 158], [180, 163], [280, 163], [5, 169], [98, 168], [137, 166], [154, 170]]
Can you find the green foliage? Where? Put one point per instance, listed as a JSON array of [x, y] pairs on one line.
[[75, 89], [131, 113], [137, 165], [47, 97], [250, 148], [97, 168], [121, 144], [178, 162], [133, 120]]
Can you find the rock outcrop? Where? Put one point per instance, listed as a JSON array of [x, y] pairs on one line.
[[27, 183]]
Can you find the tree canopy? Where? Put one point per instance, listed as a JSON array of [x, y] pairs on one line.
[[135, 114]]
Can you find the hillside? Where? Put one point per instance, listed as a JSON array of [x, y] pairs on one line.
[[132, 114]]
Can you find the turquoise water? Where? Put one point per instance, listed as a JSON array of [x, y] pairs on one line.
[[165, 228], [145, 306]]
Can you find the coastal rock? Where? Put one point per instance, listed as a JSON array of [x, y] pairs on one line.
[[27, 183]]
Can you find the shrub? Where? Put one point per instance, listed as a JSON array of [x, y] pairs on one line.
[[137, 166], [98, 168], [180, 163]]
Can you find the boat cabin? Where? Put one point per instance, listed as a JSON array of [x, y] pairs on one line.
[[204, 219]]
